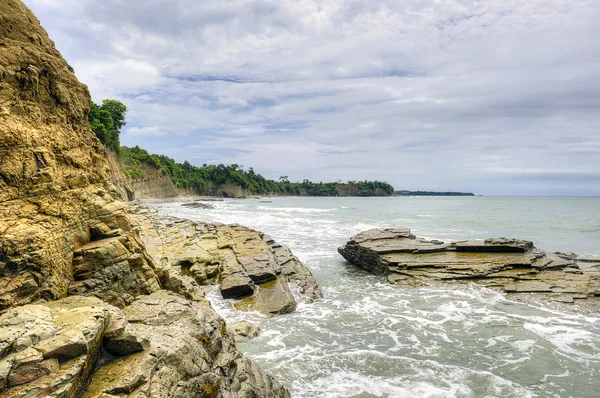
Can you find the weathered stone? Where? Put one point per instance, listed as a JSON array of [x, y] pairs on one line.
[[63, 233], [24, 366], [294, 271], [198, 205], [236, 285], [509, 265], [271, 298], [240, 258], [190, 354], [243, 330], [494, 245], [43, 339], [67, 381], [125, 343]]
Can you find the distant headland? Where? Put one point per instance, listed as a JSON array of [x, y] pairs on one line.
[[432, 193]]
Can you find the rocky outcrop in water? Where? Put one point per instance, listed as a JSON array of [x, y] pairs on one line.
[[84, 309], [245, 263], [512, 266]]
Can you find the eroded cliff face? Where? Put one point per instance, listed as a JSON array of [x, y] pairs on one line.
[[84, 310], [53, 170]]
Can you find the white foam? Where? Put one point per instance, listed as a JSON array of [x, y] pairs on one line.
[[371, 338]]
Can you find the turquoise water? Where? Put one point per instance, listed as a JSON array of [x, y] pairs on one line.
[[367, 338]]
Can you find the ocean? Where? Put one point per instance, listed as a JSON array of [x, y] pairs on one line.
[[367, 338]]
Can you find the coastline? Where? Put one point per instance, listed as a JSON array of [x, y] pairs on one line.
[[463, 328]]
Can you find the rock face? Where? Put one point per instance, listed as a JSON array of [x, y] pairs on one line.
[[84, 309], [155, 185], [509, 265], [53, 170], [162, 345], [246, 263]]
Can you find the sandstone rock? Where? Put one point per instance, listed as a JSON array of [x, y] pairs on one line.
[[198, 205], [509, 265], [52, 167], [62, 233], [52, 347], [294, 271], [271, 298], [494, 245], [113, 269], [243, 330], [191, 354], [241, 259]]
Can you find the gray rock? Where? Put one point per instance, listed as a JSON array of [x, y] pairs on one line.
[[243, 330], [512, 266]]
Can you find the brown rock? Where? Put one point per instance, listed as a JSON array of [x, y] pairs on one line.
[[243, 330], [190, 354], [272, 298], [240, 258], [512, 266]]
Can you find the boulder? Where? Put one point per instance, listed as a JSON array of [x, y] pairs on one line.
[[243, 330], [51, 348], [271, 298]]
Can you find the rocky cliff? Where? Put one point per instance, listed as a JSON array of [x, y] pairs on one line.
[[156, 185], [84, 309], [512, 266]]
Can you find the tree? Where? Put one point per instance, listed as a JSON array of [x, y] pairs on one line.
[[117, 111], [106, 122]]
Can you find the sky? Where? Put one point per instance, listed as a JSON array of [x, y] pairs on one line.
[[495, 97]]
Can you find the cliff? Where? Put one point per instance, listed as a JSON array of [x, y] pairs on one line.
[[84, 309]]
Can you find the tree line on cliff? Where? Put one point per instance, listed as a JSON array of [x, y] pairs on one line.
[[106, 121]]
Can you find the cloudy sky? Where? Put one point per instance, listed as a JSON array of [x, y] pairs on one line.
[[488, 96]]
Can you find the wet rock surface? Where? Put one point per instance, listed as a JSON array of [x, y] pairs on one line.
[[512, 266], [246, 264], [198, 205]]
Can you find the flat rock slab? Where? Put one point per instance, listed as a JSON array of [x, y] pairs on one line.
[[512, 266]]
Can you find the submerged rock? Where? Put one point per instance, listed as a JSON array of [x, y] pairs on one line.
[[198, 205], [509, 265]]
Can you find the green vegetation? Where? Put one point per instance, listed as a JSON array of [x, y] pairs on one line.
[[106, 122], [430, 193], [207, 179]]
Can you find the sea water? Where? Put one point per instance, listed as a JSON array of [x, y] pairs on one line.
[[367, 338]]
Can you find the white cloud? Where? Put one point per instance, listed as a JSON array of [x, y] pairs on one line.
[[146, 131], [424, 95], [233, 101]]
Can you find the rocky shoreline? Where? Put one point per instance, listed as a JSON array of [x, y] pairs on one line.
[[246, 264], [90, 304], [512, 266], [136, 322]]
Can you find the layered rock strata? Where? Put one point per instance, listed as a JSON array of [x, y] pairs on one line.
[[244, 263], [162, 345], [84, 309], [512, 266]]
